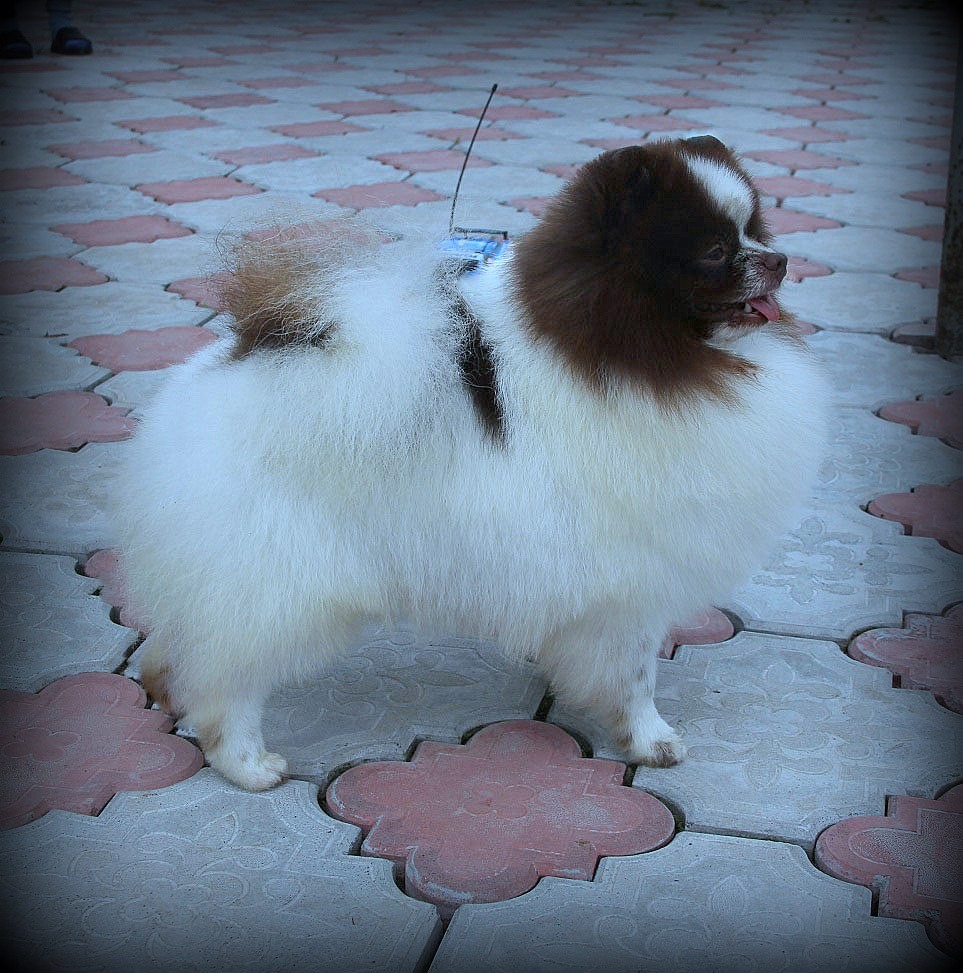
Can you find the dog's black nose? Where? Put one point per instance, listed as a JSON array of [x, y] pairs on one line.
[[776, 262]]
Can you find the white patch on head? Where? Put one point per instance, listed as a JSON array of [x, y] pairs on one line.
[[727, 189]]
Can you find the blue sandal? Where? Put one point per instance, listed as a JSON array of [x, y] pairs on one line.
[[69, 40]]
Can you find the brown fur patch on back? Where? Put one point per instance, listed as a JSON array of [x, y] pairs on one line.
[[275, 288]]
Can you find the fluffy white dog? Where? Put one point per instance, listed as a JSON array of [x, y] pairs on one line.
[[569, 450]]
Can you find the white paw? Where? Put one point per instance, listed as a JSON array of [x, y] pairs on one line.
[[252, 772], [653, 742], [665, 752]]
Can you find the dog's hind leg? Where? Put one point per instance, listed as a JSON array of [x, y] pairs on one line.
[[606, 661]]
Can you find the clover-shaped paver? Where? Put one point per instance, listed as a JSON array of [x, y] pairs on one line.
[[705, 628], [926, 653], [78, 742], [484, 821], [59, 420], [141, 351], [912, 857], [941, 417], [104, 565], [928, 511]]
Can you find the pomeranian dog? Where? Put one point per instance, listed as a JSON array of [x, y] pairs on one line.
[[569, 450]]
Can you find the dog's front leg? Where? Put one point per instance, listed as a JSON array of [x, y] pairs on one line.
[[606, 661]]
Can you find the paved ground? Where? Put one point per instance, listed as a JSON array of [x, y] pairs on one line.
[[818, 821]]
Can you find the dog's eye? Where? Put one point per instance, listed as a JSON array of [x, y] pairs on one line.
[[715, 255]]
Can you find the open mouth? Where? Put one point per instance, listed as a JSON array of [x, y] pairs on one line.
[[760, 309]]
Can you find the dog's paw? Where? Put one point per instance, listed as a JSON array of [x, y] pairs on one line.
[[252, 772], [652, 742], [666, 752]]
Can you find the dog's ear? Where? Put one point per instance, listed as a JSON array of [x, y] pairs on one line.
[[709, 147], [624, 188]]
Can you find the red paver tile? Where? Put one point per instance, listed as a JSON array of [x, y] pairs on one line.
[[46, 274], [942, 417], [126, 229], [782, 220], [278, 81], [191, 190], [434, 160], [319, 66], [407, 88], [79, 741], [143, 351], [800, 159], [59, 420], [38, 177], [240, 99], [926, 653], [489, 133], [147, 76], [709, 627], [369, 50], [593, 61], [928, 511], [836, 79], [366, 106], [562, 170], [260, 154], [298, 130], [800, 268], [606, 144], [34, 116], [924, 276], [205, 291], [919, 334], [941, 142], [483, 822], [378, 194], [932, 197], [101, 150], [89, 94], [655, 123], [188, 61], [806, 134], [443, 71], [505, 113], [537, 91], [566, 76], [695, 84], [819, 113], [669, 102], [912, 858], [536, 205], [830, 94], [105, 566], [230, 49], [782, 187], [166, 123]]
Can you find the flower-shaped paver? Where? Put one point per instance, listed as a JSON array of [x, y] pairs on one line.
[[143, 351], [105, 566], [79, 741], [706, 628], [926, 653], [484, 821], [928, 511], [942, 417], [60, 420], [912, 858]]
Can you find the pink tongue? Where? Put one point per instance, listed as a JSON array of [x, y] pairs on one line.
[[766, 306]]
